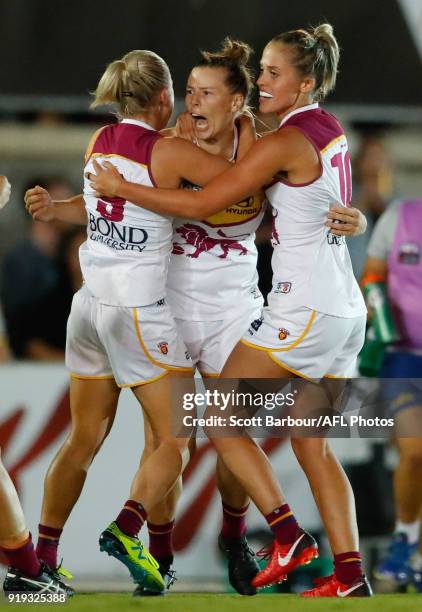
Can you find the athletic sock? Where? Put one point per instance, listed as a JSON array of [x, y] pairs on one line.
[[23, 558], [48, 544], [411, 530], [131, 518], [160, 539], [283, 524], [234, 522], [348, 566]]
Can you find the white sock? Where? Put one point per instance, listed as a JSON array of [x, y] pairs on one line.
[[416, 562], [409, 529]]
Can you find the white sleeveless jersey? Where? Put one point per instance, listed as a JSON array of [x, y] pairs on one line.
[[213, 265], [125, 258], [311, 267]]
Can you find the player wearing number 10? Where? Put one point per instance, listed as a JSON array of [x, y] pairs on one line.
[[315, 320]]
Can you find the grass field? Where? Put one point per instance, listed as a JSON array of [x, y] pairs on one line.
[[186, 602]]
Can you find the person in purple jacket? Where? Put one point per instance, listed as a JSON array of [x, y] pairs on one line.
[[394, 252]]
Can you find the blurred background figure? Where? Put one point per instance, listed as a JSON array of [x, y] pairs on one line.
[[394, 258], [373, 188], [37, 284]]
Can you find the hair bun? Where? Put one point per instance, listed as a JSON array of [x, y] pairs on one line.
[[324, 32], [232, 50]]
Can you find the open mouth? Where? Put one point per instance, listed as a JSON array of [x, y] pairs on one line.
[[201, 122], [265, 94]]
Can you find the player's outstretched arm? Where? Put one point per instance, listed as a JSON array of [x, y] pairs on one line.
[[41, 207], [261, 163]]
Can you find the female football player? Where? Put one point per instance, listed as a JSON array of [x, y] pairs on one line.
[[121, 333]]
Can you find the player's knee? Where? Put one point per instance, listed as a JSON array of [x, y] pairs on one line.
[[180, 444], [309, 450], [85, 443]]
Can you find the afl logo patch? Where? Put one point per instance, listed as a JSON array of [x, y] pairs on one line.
[[164, 347], [283, 287], [283, 333]]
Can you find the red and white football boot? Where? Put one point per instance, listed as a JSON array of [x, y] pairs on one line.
[[284, 558], [330, 586]]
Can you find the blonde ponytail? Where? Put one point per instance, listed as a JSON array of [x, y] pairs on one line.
[[132, 82], [315, 53]]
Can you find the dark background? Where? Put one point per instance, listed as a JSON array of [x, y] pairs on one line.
[[60, 48]]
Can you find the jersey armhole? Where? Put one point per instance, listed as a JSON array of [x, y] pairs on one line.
[[318, 152], [92, 142], [149, 155]]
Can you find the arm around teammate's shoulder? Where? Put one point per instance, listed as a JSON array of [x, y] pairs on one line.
[[176, 159], [265, 158]]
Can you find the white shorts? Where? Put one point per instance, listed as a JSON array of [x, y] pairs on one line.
[[134, 346], [210, 342], [307, 342]]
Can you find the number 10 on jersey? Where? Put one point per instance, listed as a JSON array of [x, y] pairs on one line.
[[342, 163]]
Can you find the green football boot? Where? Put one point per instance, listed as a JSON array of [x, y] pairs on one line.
[[142, 566]]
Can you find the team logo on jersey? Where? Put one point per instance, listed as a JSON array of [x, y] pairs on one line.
[[283, 287], [164, 347], [409, 253], [255, 325], [197, 237], [283, 333], [177, 249]]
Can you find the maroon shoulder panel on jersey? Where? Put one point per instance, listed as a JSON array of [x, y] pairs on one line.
[[317, 125], [128, 140]]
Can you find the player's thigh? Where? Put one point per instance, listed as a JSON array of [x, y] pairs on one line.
[[143, 344], [161, 402], [193, 334], [221, 338], [93, 405], [247, 362], [344, 364], [86, 355]]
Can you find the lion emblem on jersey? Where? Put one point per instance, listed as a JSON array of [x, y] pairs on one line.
[[283, 333], [164, 347], [197, 236]]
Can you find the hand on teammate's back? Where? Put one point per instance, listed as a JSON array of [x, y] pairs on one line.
[[344, 221], [106, 180]]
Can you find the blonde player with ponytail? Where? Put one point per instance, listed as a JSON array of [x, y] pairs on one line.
[[314, 324], [121, 332]]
